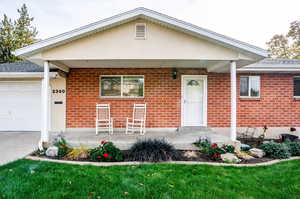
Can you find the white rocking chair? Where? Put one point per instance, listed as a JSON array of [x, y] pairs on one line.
[[138, 121], [103, 120]]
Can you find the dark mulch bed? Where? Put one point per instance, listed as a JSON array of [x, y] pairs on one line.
[[256, 142], [200, 157]]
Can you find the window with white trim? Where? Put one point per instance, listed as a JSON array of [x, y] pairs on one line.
[[297, 87], [127, 86], [140, 31], [250, 86]]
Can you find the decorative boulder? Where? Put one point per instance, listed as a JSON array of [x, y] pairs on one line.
[[52, 151], [244, 156], [245, 147], [258, 153], [229, 157], [190, 154]]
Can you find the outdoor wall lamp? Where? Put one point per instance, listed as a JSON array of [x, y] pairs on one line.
[[174, 73]]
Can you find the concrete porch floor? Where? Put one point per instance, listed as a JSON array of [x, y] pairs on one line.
[[182, 140]]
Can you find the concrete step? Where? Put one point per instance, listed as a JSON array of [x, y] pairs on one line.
[[193, 128]]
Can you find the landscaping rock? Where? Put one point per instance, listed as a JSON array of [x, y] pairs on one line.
[[244, 156], [258, 153], [230, 157], [245, 147], [52, 151], [190, 154]]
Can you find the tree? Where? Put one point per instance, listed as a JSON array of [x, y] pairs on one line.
[[286, 46], [16, 34]]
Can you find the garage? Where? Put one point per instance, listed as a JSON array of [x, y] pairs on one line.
[[20, 105]]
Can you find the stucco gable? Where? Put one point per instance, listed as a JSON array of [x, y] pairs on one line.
[[120, 43]]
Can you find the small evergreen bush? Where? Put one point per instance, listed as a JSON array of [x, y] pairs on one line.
[[294, 148], [276, 150], [152, 150]]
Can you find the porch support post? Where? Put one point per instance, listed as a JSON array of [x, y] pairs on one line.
[[45, 106], [233, 100]]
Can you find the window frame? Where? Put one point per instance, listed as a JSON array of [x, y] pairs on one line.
[[122, 78], [140, 38], [295, 96], [249, 87]]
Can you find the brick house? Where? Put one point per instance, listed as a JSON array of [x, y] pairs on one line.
[[187, 75]]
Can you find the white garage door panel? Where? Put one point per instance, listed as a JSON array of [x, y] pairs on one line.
[[20, 106]]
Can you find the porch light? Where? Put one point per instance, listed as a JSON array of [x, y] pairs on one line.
[[174, 73]]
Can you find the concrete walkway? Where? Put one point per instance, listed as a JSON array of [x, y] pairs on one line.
[[182, 140], [16, 145]]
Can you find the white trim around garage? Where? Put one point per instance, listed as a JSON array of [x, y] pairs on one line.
[[9, 75]]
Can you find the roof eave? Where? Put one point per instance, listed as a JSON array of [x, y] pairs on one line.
[[131, 15]]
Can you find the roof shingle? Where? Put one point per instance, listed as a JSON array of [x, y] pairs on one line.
[[25, 66]]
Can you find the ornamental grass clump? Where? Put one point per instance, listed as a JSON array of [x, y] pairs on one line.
[[78, 153], [153, 150], [276, 150], [106, 152]]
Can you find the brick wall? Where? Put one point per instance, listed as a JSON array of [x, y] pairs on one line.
[[162, 95], [276, 107]]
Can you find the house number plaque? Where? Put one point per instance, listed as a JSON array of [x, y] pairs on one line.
[[58, 91]]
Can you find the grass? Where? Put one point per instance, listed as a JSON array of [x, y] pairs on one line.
[[33, 179]]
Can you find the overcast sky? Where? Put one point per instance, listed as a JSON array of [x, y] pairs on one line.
[[252, 21]]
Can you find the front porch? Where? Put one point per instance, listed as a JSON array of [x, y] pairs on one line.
[[182, 139]]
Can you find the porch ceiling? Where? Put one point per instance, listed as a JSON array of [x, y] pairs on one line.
[[211, 65]]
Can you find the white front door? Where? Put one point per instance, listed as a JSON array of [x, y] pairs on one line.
[[194, 94]]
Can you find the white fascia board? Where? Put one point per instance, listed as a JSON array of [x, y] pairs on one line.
[[131, 15], [6, 75], [269, 70]]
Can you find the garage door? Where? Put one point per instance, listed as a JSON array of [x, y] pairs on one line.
[[20, 106]]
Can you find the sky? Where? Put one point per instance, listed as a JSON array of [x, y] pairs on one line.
[[251, 21]]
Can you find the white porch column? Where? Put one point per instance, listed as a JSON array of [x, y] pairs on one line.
[[45, 105], [233, 100]]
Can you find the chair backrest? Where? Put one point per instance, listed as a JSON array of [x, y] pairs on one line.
[[139, 112], [102, 111]]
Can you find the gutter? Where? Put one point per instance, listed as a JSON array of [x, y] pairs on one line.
[[22, 75]]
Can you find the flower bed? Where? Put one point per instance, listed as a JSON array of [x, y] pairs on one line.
[[159, 150]]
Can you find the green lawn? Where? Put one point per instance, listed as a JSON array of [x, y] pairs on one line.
[[32, 179]]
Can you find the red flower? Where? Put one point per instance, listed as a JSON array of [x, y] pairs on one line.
[[105, 155], [103, 142], [214, 146], [98, 157], [216, 155]]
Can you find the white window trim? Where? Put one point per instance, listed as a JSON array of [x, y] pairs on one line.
[[122, 76], [249, 87], [295, 96], [145, 36]]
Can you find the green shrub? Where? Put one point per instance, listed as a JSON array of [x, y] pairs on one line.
[[152, 150], [294, 148], [106, 152], [213, 151], [229, 148], [204, 145], [276, 150], [62, 145]]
